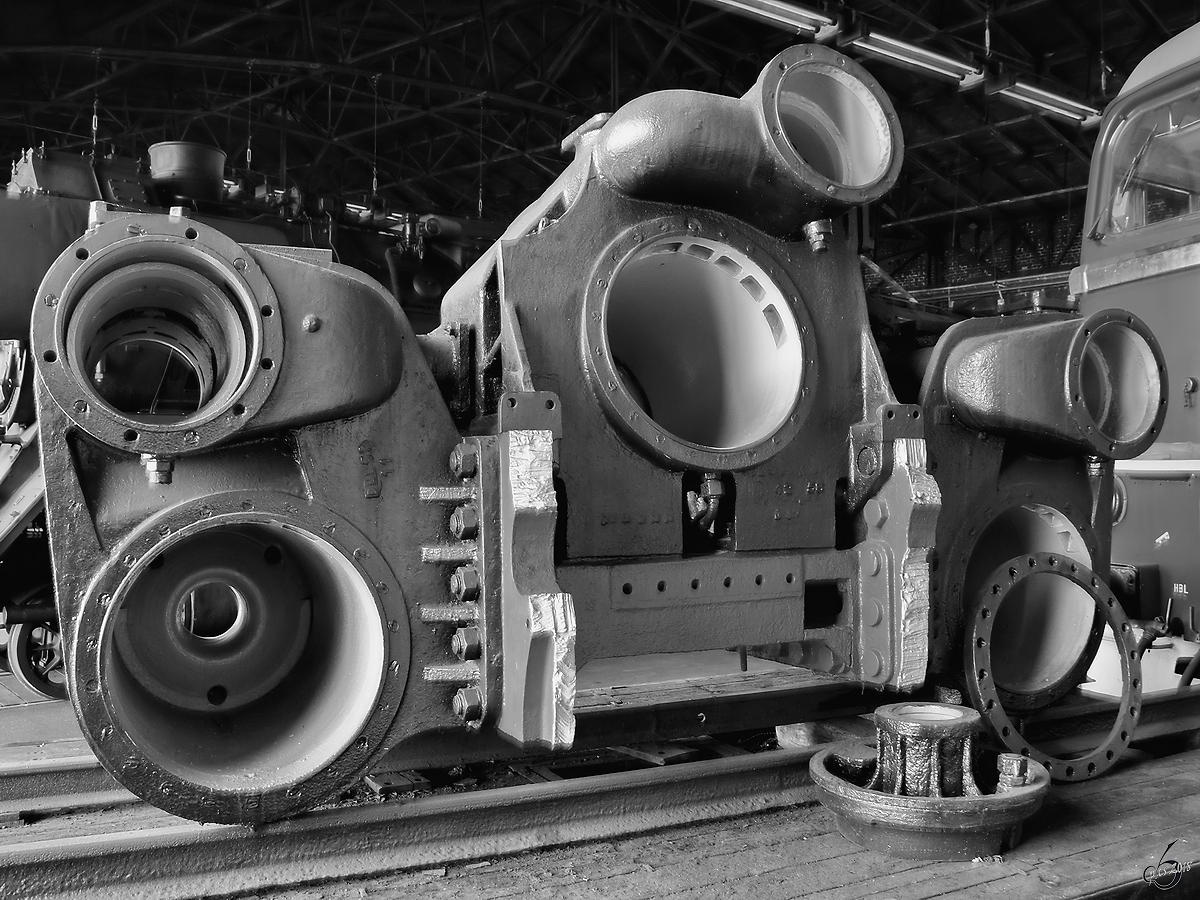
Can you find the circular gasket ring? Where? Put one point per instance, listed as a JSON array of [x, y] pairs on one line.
[[136, 769], [978, 657], [606, 382]]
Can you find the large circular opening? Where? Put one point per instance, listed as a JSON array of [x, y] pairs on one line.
[[158, 342], [835, 124], [1119, 382], [245, 657], [704, 343], [1043, 627]]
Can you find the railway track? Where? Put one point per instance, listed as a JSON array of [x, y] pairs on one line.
[[88, 838]]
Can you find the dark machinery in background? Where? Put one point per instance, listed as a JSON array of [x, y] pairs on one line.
[[653, 421], [46, 208]]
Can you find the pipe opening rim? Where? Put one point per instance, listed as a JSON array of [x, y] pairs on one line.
[[218, 293], [235, 785], [827, 115], [1117, 383], [698, 346]]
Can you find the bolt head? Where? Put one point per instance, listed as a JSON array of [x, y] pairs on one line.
[[467, 704], [311, 324], [464, 460], [464, 583]]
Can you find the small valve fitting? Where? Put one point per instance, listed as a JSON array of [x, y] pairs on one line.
[[818, 232]]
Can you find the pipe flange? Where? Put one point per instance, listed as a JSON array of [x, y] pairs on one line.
[[305, 739], [167, 283], [776, 308], [815, 61], [978, 663], [1116, 439]]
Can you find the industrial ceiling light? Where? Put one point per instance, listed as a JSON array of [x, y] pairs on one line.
[[797, 19], [909, 56], [1007, 85]]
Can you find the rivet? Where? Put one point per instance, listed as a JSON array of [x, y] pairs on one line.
[[872, 613], [240, 264]]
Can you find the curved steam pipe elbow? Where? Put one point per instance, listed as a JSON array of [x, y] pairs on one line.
[[813, 137], [1099, 382]]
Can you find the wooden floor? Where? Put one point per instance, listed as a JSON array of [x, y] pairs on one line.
[[1089, 840]]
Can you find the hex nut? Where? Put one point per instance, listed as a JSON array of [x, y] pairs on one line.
[[1013, 765], [466, 643], [1014, 771], [464, 460], [464, 522], [467, 704], [464, 583], [159, 469]]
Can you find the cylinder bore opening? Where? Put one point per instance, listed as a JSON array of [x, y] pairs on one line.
[[1043, 626], [251, 656], [158, 342], [212, 611], [1119, 382], [1040, 632], [705, 343], [836, 124]]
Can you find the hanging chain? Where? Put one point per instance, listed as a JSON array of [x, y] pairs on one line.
[[1103, 61], [95, 104], [480, 209], [249, 112], [375, 141]]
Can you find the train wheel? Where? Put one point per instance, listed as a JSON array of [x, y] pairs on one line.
[[36, 659]]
